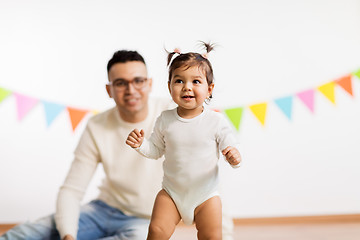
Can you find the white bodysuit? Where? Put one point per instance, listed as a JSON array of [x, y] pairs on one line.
[[191, 148]]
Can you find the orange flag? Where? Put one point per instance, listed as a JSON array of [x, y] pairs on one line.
[[76, 115], [345, 83]]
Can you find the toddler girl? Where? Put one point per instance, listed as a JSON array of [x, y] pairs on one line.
[[190, 136]]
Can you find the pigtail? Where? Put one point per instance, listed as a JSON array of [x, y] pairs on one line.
[[171, 55], [208, 47]]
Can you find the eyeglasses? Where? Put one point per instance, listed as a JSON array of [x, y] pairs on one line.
[[122, 84]]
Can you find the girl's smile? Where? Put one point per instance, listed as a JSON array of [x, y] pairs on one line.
[[188, 97]]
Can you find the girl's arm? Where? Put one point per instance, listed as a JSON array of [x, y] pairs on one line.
[[153, 148], [228, 143]]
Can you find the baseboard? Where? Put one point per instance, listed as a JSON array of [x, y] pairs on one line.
[[351, 218]]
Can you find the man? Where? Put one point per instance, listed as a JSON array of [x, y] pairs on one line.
[[123, 207]]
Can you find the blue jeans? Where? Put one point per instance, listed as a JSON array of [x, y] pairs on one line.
[[97, 221]]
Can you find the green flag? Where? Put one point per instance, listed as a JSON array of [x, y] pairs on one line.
[[4, 94], [235, 114], [357, 73]]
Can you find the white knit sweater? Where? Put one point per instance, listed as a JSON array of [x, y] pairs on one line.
[[131, 182]]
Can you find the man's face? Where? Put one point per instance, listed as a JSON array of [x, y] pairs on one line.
[[131, 100]]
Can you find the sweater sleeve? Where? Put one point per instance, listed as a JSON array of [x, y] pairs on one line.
[[154, 147], [73, 189]]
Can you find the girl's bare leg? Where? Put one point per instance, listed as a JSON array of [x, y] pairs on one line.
[[164, 218], [208, 219]]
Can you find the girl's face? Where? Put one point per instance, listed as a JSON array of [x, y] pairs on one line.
[[189, 89]]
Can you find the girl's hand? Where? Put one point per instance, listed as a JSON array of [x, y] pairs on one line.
[[232, 155], [135, 138]]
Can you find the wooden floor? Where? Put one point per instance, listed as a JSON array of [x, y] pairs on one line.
[[334, 228], [298, 231]]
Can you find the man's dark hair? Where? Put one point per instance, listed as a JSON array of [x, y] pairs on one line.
[[124, 56]]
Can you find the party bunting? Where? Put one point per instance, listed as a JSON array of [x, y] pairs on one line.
[[52, 110], [345, 83], [24, 104], [285, 105], [259, 110], [4, 94], [328, 89], [76, 115], [234, 114], [307, 97]]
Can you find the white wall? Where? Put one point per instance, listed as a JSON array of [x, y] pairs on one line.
[[58, 51]]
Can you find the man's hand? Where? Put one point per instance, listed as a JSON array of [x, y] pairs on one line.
[[135, 138], [68, 237], [232, 155]]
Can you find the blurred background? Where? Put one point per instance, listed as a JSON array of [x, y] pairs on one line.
[[286, 75]]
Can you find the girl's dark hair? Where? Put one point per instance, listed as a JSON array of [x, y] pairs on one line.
[[191, 59]]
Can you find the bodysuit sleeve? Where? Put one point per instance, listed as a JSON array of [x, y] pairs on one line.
[[154, 147], [225, 137]]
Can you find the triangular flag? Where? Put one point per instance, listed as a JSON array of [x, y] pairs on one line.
[[76, 115], [307, 97], [4, 94], [24, 104], [357, 73], [259, 110], [51, 111], [235, 114], [95, 112], [328, 89], [346, 83], [285, 104]]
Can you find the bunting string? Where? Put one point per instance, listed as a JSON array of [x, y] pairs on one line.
[[25, 104]]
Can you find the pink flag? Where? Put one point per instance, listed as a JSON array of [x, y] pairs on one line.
[[24, 104], [307, 97]]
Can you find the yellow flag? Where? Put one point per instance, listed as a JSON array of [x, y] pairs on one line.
[[95, 112], [259, 110], [328, 90]]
